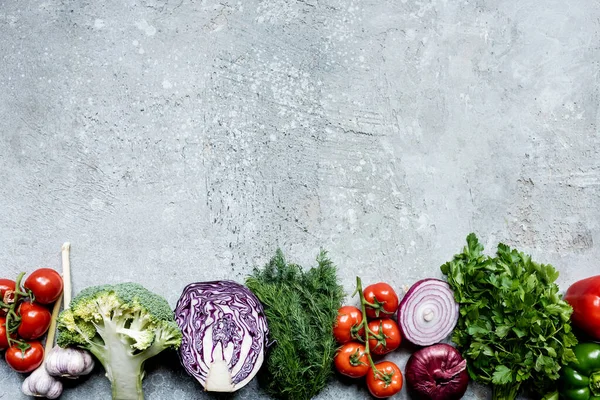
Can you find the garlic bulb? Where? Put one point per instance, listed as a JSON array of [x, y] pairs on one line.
[[40, 384], [69, 362]]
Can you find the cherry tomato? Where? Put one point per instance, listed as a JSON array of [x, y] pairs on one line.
[[35, 320], [348, 325], [351, 360], [46, 285], [25, 360], [5, 284], [386, 336], [383, 300], [385, 383], [3, 339]]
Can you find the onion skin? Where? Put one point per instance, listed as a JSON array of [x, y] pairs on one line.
[[437, 372]]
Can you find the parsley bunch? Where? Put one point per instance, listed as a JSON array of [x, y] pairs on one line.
[[513, 328], [301, 308]]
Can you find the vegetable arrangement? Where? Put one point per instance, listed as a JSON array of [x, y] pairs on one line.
[[25, 317], [513, 327], [427, 313], [40, 383], [288, 327], [369, 331]]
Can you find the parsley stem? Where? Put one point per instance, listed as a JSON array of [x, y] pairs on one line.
[[505, 392]]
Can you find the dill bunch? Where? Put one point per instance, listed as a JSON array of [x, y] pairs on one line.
[[301, 307]]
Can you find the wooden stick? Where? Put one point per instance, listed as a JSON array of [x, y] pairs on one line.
[[66, 267], [52, 328]]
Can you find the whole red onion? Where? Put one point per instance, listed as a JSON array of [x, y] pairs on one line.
[[437, 372]]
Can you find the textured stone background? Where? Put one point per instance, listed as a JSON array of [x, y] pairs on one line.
[[175, 141]]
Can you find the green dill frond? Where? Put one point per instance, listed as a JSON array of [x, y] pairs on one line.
[[301, 307]]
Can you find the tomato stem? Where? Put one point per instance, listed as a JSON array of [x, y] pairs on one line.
[[363, 303], [355, 332], [379, 336], [18, 290], [377, 307], [13, 320]]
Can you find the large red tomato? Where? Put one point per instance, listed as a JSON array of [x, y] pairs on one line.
[[351, 360], [348, 324], [385, 383], [382, 299], [25, 360], [46, 285], [386, 336], [35, 320]]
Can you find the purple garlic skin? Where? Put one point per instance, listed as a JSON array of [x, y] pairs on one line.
[[40, 384], [69, 362]]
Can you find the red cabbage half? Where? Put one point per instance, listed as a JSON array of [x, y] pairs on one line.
[[224, 334]]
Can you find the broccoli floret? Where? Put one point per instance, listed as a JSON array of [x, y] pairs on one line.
[[123, 325]]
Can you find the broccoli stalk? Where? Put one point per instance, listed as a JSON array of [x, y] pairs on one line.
[[122, 325]]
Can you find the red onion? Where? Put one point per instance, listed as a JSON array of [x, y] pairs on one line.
[[437, 372], [428, 312]]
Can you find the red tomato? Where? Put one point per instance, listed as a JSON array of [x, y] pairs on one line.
[[385, 383], [25, 361], [35, 320], [351, 360], [3, 339], [46, 285], [386, 336], [382, 299], [5, 284], [348, 325]]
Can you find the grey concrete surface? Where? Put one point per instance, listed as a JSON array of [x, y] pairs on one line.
[[178, 141]]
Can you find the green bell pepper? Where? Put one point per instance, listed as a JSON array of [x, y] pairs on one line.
[[581, 380]]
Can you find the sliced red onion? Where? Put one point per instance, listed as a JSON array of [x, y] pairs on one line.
[[428, 312], [224, 334], [437, 372]]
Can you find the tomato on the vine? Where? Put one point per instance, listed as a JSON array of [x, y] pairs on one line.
[[46, 285], [351, 360], [348, 325], [384, 336], [386, 381], [382, 299], [35, 320], [25, 360]]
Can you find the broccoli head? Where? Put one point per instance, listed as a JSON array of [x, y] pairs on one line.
[[122, 325]]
